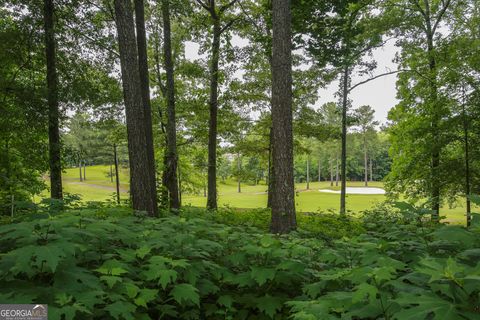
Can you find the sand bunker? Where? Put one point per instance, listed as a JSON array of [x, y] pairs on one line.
[[357, 190]]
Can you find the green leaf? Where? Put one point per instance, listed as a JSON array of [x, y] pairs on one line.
[[142, 251], [111, 280], [121, 310], [261, 275], [421, 307], [225, 300], [269, 305], [112, 267], [146, 296], [132, 290], [167, 277], [363, 291], [185, 293]]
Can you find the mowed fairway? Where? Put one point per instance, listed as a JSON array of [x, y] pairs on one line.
[[98, 187]]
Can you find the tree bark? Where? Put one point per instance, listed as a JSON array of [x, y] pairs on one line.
[[145, 91], [343, 174], [84, 170], [283, 201], [337, 176], [371, 170], [365, 158], [53, 108], [239, 168], [143, 197], [308, 172], [171, 156], [331, 173], [271, 177], [212, 132], [319, 170], [117, 178], [467, 163], [80, 169]]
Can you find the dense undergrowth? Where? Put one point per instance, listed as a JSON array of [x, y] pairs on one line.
[[106, 263]]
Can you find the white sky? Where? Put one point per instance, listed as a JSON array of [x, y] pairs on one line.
[[380, 94]]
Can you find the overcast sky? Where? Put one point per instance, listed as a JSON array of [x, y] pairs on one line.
[[379, 94]]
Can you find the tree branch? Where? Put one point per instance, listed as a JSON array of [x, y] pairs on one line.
[[440, 14], [374, 78], [228, 25], [225, 7]]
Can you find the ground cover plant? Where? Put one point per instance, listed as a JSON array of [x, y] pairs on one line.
[[110, 263]]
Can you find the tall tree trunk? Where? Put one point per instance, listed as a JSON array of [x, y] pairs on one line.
[[435, 116], [371, 170], [271, 177], [84, 170], [143, 197], [179, 186], [117, 177], [308, 172], [343, 174], [171, 150], [283, 201], [145, 92], [467, 163], [319, 170], [80, 169], [337, 174], [212, 132], [365, 158], [331, 173], [239, 168], [52, 98]]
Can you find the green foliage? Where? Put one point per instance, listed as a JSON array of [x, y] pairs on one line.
[[105, 263]]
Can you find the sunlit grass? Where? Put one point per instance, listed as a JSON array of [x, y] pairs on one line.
[[98, 187]]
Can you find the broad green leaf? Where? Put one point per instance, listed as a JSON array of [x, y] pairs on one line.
[[363, 291], [145, 296], [269, 305], [261, 275], [167, 277], [225, 300], [185, 293], [111, 280], [121, 310]]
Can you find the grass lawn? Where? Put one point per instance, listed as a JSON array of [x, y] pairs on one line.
[[98, 187]]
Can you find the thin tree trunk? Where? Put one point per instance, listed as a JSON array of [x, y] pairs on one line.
[[343, 174], [319, 170], [80, 169], [179, 186], [171, 150], [365, 159], [52, 98], [308, 172], [435, 156], [239, 168], [337, 177], [331, 173], [111, 174], [117, 177], [84, 170], [371, 170], [212, 132], [143, 197], [467, 163], [145, 92], [283, 201]]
